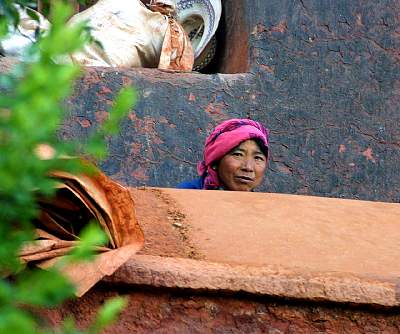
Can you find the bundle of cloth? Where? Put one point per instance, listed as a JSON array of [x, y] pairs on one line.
[[168, 34]]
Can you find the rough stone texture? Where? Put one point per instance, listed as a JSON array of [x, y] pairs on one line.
[[331, 76], [171, 311], [270, 280], [324, 76]]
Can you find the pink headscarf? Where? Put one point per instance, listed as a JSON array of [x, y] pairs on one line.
[[225, 137]]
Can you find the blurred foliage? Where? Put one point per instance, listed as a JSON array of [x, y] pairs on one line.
[[9, 13], [31, 111]]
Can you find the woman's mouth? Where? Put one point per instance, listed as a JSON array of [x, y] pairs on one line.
[[244, 179]]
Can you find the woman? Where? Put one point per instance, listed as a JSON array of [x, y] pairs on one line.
[[235, 157]]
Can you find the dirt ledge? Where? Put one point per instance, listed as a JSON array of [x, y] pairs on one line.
[[271, 281]]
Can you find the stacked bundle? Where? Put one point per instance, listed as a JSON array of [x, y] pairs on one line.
[[170, 34], [80, 200]]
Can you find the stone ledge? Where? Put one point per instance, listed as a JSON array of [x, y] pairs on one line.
[[266, 280]]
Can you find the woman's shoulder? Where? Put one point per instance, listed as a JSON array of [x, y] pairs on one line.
[[192, 184]]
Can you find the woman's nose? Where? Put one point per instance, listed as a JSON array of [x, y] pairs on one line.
[[248, 165]]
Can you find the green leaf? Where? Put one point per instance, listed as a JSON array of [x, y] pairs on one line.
[[3, 26], [90, 237], [42, 288], [16, 321], [108, 314], [32, 14], [122, 105], [6, 292], [96, 147], [69, 327]]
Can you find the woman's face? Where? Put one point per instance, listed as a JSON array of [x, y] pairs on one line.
[[243, 168]]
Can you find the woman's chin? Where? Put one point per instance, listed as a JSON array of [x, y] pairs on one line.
[[241, 187]]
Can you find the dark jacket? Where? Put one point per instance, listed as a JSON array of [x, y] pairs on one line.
[[193, 184]]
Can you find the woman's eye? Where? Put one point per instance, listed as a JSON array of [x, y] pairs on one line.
[[259, 158], [237, 154]]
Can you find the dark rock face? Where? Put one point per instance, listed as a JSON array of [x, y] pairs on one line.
[[323, 76], [166, 311]]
